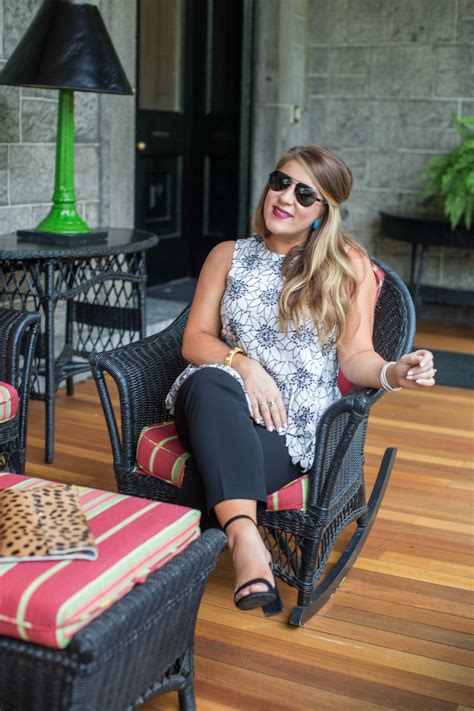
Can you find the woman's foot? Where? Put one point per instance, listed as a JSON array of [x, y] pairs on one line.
[[251, 560]]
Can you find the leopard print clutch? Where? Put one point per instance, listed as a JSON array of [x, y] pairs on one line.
[[44, 523]]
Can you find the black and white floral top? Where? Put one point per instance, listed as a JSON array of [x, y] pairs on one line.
[[304, 370]]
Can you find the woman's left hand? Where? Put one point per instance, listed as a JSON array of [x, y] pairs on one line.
[[412, 370]]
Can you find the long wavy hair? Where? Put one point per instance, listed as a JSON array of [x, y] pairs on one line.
[[319, 281]]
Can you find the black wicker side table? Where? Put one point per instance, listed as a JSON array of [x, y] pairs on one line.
[[103, 287]]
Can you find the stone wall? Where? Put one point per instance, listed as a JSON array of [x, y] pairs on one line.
[[382, 78], [104, 134]]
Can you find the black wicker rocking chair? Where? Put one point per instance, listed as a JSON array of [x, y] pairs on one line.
[[18, 334], [300, 541]]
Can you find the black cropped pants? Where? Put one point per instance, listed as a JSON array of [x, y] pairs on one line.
[[232, 456]]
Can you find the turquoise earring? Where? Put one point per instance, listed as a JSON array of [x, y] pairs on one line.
[[316, 224]]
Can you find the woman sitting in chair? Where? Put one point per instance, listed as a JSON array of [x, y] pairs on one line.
[[273, 319]]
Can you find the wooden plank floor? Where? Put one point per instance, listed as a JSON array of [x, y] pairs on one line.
[[398, 633]]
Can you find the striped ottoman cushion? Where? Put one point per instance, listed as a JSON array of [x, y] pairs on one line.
[[161, 454], [48, 602], [8, 402]]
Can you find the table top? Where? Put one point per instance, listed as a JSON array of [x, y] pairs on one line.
[[425, 230], [119, 241]]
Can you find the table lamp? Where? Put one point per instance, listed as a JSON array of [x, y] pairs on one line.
[[66, 47]]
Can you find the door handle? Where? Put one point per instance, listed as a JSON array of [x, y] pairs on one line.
[[160, 134]]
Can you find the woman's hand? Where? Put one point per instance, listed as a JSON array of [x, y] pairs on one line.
[[412, 370], [263, 393]]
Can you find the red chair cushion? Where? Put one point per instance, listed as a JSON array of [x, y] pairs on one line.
[[48, 602], [161, 454], [8, 402]]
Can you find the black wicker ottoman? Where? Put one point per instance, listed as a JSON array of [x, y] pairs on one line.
[[140, 646]]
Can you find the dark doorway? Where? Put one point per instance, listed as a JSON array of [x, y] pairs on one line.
[[193, 118]]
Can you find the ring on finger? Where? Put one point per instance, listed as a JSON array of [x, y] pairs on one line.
[[270, 403], [263, 403]]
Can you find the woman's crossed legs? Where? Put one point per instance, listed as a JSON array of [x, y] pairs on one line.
[[236, 463]]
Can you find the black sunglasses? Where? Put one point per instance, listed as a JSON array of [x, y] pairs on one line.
[[305, 195]]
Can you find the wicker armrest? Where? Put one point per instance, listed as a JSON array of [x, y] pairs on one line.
[[18, 334], [143, 372], [14, 327], [339, 446]]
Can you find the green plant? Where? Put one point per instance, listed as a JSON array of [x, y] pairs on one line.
[[452, 175]]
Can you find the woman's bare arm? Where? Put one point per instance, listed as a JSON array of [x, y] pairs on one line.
[[357, 358], [201, 342]]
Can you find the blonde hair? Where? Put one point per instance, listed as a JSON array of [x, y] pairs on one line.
[[318, 278]]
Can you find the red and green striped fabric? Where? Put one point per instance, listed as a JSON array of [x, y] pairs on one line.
[[161, 454], [292, 496], [48, 603], [8, 402]]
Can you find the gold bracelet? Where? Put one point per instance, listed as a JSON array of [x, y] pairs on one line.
[[230, 355]]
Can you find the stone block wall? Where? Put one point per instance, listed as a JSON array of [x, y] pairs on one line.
[[384, 78], [104, 133], [381, 81]]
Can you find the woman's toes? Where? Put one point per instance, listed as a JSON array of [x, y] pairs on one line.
[[251, 559]]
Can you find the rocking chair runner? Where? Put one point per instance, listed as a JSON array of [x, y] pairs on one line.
[[300, 541], [18, 334]]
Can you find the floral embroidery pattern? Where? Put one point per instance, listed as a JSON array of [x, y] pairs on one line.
[[304, 370]]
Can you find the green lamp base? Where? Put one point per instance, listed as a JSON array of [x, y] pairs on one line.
[[63, 240], [63, 218], [63, 225]]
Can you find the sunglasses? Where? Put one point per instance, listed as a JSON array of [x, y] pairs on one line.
[[305, 196]]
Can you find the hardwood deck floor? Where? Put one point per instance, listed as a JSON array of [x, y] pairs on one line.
[[397, 634]]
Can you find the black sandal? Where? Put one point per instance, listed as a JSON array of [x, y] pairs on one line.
[[269, 600]]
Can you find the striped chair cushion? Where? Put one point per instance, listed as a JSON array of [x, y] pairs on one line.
[[161, 454], [8, 402], [48, 602]]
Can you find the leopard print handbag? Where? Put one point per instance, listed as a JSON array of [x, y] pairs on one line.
[[44, 523]]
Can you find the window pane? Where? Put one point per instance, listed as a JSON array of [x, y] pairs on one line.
[[161, 53]]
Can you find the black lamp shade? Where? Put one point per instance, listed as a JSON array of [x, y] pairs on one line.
[[67, 46]]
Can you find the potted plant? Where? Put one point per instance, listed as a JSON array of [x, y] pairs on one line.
[[449, 182], [451, 176], [448, 179]]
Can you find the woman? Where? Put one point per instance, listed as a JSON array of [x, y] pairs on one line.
[[273, 319]]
